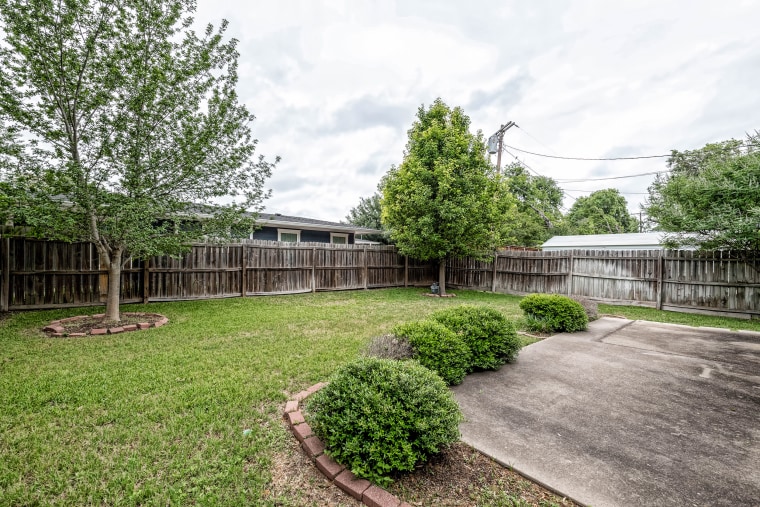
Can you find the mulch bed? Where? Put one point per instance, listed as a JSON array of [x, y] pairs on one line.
[[461, 476], [85, 325]]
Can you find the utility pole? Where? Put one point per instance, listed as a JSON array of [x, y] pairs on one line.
[[495, 142]]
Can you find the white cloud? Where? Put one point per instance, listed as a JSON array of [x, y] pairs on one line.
[[336, 84]]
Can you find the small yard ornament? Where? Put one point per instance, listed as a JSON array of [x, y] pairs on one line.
[[435, 288]]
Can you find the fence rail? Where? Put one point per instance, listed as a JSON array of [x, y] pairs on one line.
[[721, 282], [37, 274]]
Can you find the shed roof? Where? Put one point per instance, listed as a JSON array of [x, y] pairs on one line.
[[632, 241]]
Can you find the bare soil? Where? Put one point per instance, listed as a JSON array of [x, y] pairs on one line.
[[459, 476]]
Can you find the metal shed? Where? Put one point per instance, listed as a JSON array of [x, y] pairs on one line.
[[630, 241]]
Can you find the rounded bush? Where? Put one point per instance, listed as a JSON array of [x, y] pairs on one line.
[[438, 348], [554, 313], [380, 416], [491, 337]]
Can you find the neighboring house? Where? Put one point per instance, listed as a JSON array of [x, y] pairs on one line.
[[632, 241], [277, 227]]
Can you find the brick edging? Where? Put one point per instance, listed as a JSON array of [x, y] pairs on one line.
[[56, 329], [369, 494]]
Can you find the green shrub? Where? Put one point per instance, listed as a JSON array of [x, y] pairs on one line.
[[438, 348], [380, 416], [389, 346], [555, 312], [491, 337]]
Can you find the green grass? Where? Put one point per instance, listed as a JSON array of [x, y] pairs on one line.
[[157, 417], [688, 319]]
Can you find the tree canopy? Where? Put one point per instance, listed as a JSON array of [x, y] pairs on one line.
[[538, 215], [602, 212], [126, 124], [368, 214], [711, 197], [445, 199]]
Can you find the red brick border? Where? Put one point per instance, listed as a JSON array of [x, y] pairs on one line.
[[56, 329], [361, 489]]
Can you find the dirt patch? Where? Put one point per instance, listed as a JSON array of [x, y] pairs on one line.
[[84, 325], [459, 476], [296, 481]]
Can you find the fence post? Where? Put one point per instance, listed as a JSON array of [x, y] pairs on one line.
[[660, 276], [406, 271], [570, 275], [5, 296], [146, 280], [243, 267], [366, 269], [493, 276], [314, 269]]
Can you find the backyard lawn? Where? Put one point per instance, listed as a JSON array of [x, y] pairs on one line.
[[158, 416]]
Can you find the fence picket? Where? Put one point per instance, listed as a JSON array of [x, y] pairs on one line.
[[45, 274]]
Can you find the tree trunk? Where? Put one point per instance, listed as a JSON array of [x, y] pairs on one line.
[[114, 286], [442, 277]]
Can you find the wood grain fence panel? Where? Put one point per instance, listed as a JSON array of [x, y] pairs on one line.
[[279, 269], [339, 269], [42, 274], [525, 272], [385, 267], [616, 275], [470, 273], [421, 273], [712, 282]]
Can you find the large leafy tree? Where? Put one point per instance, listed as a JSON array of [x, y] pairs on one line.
[[445, 199], [126, 123], [368, 214], [539, 199], [602, 212], [711, 197]]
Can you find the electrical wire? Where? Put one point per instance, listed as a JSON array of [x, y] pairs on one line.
[[521, 162], [582, 180], [619, 191], [535, 139], [585, 158]]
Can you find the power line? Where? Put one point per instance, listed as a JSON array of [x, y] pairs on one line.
[[581, 180], [585, 158], [537, 173], [535, 139], [619, 191]]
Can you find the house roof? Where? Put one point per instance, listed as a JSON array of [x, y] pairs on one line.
[[631, 241], [291, 222]]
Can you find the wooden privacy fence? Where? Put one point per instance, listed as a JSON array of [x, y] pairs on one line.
[[44, 274], [721, 282]]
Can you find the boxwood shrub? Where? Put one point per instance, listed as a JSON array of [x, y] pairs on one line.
[[438, 348], [491, 337], [380, 416], [553, 313]]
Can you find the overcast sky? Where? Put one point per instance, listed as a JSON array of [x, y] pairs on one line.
[[335, 85]]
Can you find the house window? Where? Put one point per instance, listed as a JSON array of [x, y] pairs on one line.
[[289, 235], [338, 239]]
